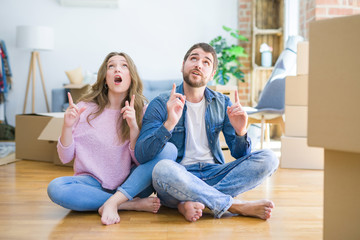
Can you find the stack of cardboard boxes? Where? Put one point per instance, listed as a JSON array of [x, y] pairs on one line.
[[334, 119], [295, 153]]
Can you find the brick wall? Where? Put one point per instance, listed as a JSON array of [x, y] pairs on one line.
[[312, 10], [244, 26], [309, 10]]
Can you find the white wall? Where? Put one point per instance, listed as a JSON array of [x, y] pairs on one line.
[[291, 18], [156, 34]]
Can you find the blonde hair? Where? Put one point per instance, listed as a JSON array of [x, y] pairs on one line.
[[99, 95]]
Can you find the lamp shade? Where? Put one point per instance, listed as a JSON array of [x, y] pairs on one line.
[[35, 37]]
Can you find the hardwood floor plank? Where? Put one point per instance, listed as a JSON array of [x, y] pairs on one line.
[[26, 212]]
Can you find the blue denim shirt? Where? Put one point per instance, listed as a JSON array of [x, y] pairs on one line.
[[153, 135]]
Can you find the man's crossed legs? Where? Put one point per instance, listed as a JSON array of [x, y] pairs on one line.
[[191, 188]]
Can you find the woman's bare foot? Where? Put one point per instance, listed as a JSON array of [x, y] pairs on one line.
[[109, 210], [109, 213], [192, 211], [260, 208], [149, 204]]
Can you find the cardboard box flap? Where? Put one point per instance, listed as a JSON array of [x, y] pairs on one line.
[[52, 130], [52, 114]]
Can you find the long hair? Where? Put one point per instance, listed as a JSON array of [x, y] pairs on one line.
[[99, 95]]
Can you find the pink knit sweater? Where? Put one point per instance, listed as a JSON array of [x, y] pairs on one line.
[[97, 149]]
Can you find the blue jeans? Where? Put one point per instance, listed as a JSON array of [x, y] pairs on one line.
[[85, 193], [214, 185]]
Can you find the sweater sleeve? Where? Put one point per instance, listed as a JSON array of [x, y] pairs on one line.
[[66, 154], [133, 158]]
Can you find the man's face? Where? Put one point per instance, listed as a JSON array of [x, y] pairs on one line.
[[198, 68]]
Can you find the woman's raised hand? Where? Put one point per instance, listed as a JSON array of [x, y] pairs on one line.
[[128, 113], [72, 113]]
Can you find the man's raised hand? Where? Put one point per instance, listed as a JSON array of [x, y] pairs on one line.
[[175, 107], [237, 116]]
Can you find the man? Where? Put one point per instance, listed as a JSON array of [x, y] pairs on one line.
[[191, 117]]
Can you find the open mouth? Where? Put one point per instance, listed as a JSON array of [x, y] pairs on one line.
[[197, 73], [118, 79]]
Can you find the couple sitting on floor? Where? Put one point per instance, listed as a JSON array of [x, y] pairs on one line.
[[124, 151]]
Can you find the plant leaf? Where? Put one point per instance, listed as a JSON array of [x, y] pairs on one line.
[[239, 36], [227, 28]]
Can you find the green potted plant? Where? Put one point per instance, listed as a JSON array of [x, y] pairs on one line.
[[228, 56]]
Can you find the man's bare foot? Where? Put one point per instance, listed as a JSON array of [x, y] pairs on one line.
[[109, 213], [260, 208], [192, 211], [149, 204]]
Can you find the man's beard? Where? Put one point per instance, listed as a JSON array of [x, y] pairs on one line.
[[194, 84]]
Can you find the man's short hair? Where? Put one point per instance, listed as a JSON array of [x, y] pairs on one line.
[[207, 48]]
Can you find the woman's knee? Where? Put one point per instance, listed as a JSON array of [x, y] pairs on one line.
[[59, 187], [54, 188], [168, 152]]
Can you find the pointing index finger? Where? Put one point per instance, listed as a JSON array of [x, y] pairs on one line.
[[236, 96], [71, 102], [173, 90], [132, 101]]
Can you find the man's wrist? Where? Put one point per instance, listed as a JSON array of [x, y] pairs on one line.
[[241, 133], [169, 126]]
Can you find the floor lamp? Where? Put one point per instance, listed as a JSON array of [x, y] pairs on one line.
[[35, 38]]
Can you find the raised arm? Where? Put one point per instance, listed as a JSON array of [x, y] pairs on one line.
[[128, 112], [159, 120], [237, 116], [234, 129], [71, 116]]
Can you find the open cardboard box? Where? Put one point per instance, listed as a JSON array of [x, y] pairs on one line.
[[37, 135]]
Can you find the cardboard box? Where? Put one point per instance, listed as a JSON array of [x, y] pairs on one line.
[[334, 84], [333, 119], [296, 90], [51, 133], [78, 90], [226, 90], [28, 129], [295, 153], [37, 135], [296, 118], [341, 195], [302, 63]]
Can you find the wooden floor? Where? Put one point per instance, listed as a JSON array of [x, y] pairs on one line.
[[27, 213]]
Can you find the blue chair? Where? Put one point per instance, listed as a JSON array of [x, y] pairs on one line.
[[271, 105]]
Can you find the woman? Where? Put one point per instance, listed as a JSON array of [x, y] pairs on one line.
[[100, 133]]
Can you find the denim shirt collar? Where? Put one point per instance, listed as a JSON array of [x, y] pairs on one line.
[[209, 94]]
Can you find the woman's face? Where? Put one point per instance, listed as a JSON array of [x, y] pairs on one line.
[[118, 76]]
